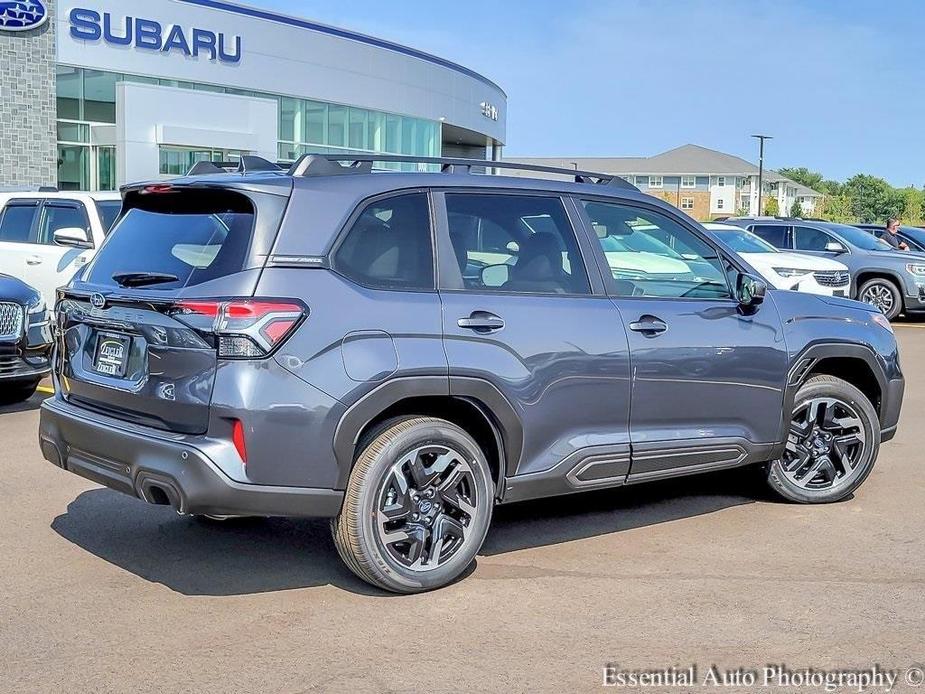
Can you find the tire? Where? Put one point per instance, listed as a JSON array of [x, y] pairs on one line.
[[840, 443], [882, 294], [412, 477], [16, 392]]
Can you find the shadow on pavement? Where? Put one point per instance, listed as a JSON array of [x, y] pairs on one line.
[[32, 403], [200, 557]]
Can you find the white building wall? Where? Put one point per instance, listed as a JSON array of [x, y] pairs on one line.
[[283, 58], [149, 116], [725, 193]]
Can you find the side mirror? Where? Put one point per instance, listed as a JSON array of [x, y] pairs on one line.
[[750, 291], [74, 237], [513, 247], [495, 275], [834, 247]]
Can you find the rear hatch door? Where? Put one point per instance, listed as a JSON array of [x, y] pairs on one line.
[[125, 345]]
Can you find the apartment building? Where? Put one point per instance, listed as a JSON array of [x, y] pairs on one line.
[[703, 182]]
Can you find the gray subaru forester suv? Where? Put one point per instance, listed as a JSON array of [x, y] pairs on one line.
[[401, 351]]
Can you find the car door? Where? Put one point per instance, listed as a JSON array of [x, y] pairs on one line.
[[707, 378], [48, 264], [778, 235], [18, 220], [525, 323]]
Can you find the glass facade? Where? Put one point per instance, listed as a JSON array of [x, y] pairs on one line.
[[88, 97]]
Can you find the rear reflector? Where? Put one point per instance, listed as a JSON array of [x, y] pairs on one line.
[[246, 328], [237, 436]]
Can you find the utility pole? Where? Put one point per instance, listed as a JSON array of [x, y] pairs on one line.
[[761, 139]]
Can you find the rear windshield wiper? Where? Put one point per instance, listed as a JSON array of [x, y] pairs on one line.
[[140, 279]]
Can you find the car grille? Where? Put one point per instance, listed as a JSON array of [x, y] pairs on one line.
[[9, 365], [10, 321], [832, 278]]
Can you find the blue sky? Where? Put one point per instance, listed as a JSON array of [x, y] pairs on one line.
[[839, 85]]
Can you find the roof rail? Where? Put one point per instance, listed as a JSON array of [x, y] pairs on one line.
[[329, 165], [248, 163]]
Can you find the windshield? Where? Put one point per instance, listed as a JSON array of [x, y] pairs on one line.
[[743, 241], [860, 238], [109, 211]]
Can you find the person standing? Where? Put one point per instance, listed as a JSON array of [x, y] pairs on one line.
[[891, 235]]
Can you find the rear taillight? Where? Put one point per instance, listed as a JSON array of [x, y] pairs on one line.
[[245, 328]]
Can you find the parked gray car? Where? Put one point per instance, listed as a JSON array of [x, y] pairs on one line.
[[892, 281], [400, 352]]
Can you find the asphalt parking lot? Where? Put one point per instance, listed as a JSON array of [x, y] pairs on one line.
[[101, 592]]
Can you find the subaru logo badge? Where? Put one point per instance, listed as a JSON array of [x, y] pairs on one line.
[[22, 15], [98, 301]]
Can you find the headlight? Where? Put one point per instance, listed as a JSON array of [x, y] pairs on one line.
[[916, 269], [791, 271], [37, 306]]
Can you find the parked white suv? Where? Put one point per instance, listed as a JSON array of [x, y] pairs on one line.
[[804, 273], [45, 237]]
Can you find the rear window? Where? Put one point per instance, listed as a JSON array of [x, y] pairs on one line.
[[195, 236]]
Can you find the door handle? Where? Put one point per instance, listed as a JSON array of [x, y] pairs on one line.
[[481, 322], [33, 260], [649, 325]]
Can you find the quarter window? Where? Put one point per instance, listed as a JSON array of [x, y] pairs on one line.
[[389, 246], [651, 254], [515, 243], [688, 181], [655, 182]]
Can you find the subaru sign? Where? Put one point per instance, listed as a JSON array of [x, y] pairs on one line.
[[150, 35], [22, 15]]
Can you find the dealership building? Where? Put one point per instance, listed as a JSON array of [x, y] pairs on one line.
[[96, 93]]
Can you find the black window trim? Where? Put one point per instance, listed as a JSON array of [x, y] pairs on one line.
[[358, 209], [604, 267], [450, 280]]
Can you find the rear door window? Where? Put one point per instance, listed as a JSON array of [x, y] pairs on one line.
[[17, 221], [515, 243], [194, 236]]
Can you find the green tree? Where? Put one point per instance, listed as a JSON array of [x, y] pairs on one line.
[[913, 202], [830, 187], [771, 207], [810, 179], [872, 198], [836, 208], [796, 209]]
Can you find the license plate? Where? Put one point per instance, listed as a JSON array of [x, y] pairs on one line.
[[111, 356]]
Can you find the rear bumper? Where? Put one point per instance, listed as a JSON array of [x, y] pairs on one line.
[[161, 469]]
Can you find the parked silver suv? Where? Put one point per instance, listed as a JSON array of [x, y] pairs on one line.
[[402, 351]]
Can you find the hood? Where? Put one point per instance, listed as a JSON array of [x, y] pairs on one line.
[[12, 289], [909, 256], [649, 263], [841, 302], [794, 260]]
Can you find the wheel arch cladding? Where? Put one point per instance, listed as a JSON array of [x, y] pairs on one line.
[[496, 432]]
